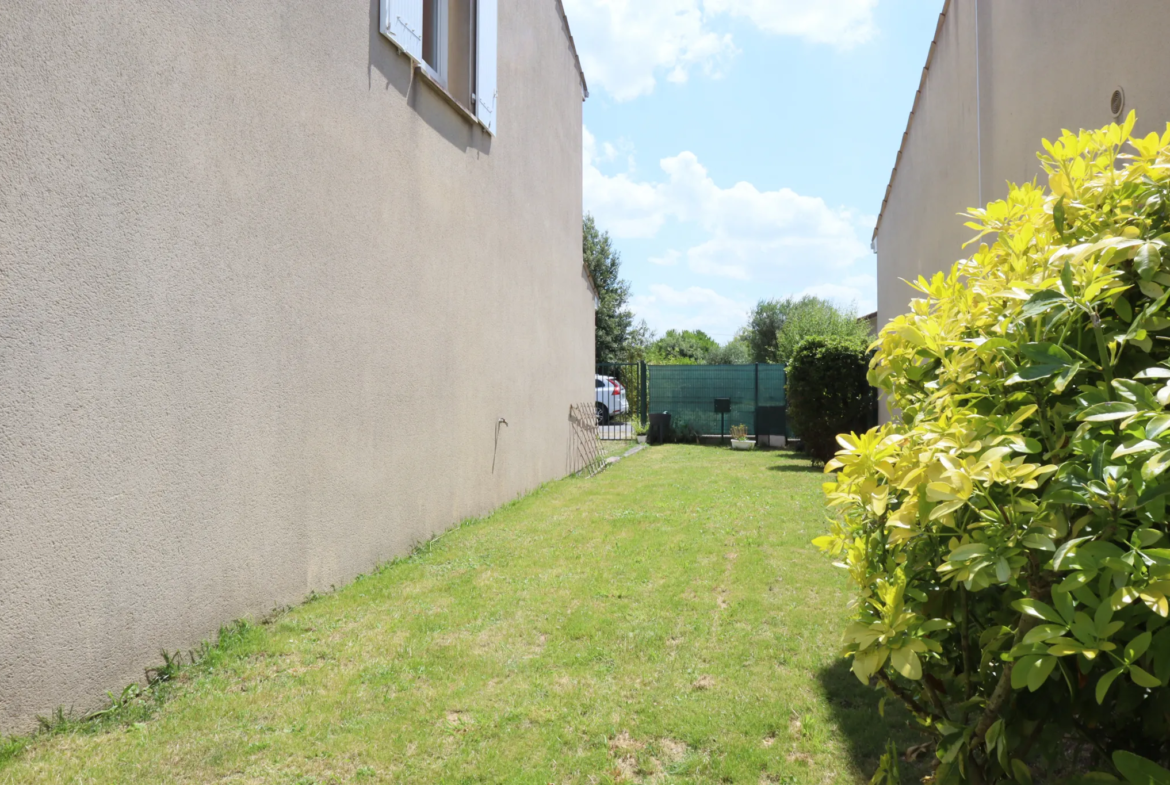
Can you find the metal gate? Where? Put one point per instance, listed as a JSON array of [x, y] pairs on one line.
[[621, 399]]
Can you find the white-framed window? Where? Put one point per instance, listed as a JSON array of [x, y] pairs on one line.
[[435, 30], [455, 44]]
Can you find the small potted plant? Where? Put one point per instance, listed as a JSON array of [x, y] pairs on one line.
[[640, 431], [739, 439]]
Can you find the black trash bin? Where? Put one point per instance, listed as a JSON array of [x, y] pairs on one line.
[[659, 424]]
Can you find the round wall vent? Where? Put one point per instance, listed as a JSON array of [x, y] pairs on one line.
[[1117, 102]]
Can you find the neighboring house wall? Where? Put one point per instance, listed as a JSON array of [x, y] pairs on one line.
[[936, 175], [263, 299], [1041, 67]]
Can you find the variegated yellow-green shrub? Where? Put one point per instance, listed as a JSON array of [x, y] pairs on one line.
[[1007, 533]]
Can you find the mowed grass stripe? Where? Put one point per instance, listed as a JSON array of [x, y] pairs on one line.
[[666, 621]]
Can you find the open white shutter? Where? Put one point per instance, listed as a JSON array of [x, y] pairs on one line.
[[486, 47], [402, 23]]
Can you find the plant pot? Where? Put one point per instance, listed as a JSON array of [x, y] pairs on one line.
[[742, 444], [641, 438]]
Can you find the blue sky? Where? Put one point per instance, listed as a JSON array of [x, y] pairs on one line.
[[738, 150]]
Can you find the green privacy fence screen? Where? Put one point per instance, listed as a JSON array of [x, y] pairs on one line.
[[688, 392]]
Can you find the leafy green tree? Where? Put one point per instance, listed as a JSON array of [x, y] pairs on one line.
[[777, 326], [734, 352], [681, 348], [813, 317], [763, 328], [614, 321], [639, 343]]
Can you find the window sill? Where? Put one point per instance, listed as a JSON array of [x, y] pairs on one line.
[[433, 78], [435, 82]]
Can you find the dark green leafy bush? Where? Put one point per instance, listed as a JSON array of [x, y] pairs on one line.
[[828, 393], [682, 432]]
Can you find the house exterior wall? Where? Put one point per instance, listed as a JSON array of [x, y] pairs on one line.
[[1041, 67], [936, 176], [263, 299]]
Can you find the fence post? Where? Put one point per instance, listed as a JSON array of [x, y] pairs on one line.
[[644, 404], [756, 413]]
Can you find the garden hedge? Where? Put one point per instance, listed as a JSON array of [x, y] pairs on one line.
[[1007, 533], [827, 392]]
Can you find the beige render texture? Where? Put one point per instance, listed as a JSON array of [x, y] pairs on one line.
[[262, 302], [978, 119]]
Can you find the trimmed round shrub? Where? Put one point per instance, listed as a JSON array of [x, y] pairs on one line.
[[1007, 537], [827, 393]]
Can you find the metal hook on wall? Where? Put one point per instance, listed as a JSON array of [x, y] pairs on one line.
[[496, 447]]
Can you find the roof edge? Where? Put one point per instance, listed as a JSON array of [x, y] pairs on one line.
[[909, 120], [573, 46]]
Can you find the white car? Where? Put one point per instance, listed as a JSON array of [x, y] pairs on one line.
[[611, 399]]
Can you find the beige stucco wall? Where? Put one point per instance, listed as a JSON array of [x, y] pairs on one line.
[[1042, 66], [260, 310]]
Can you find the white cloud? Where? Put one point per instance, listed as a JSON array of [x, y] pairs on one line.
[[758, 243], [858, 291], [627, 45], [751, 235], [693, 308], [627, 208], [841, 23], [668, 259], [607, 152]]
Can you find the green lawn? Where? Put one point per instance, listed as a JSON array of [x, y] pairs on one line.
[[666, 621]]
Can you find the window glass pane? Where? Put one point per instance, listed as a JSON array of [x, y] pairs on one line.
[[431, 33]]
